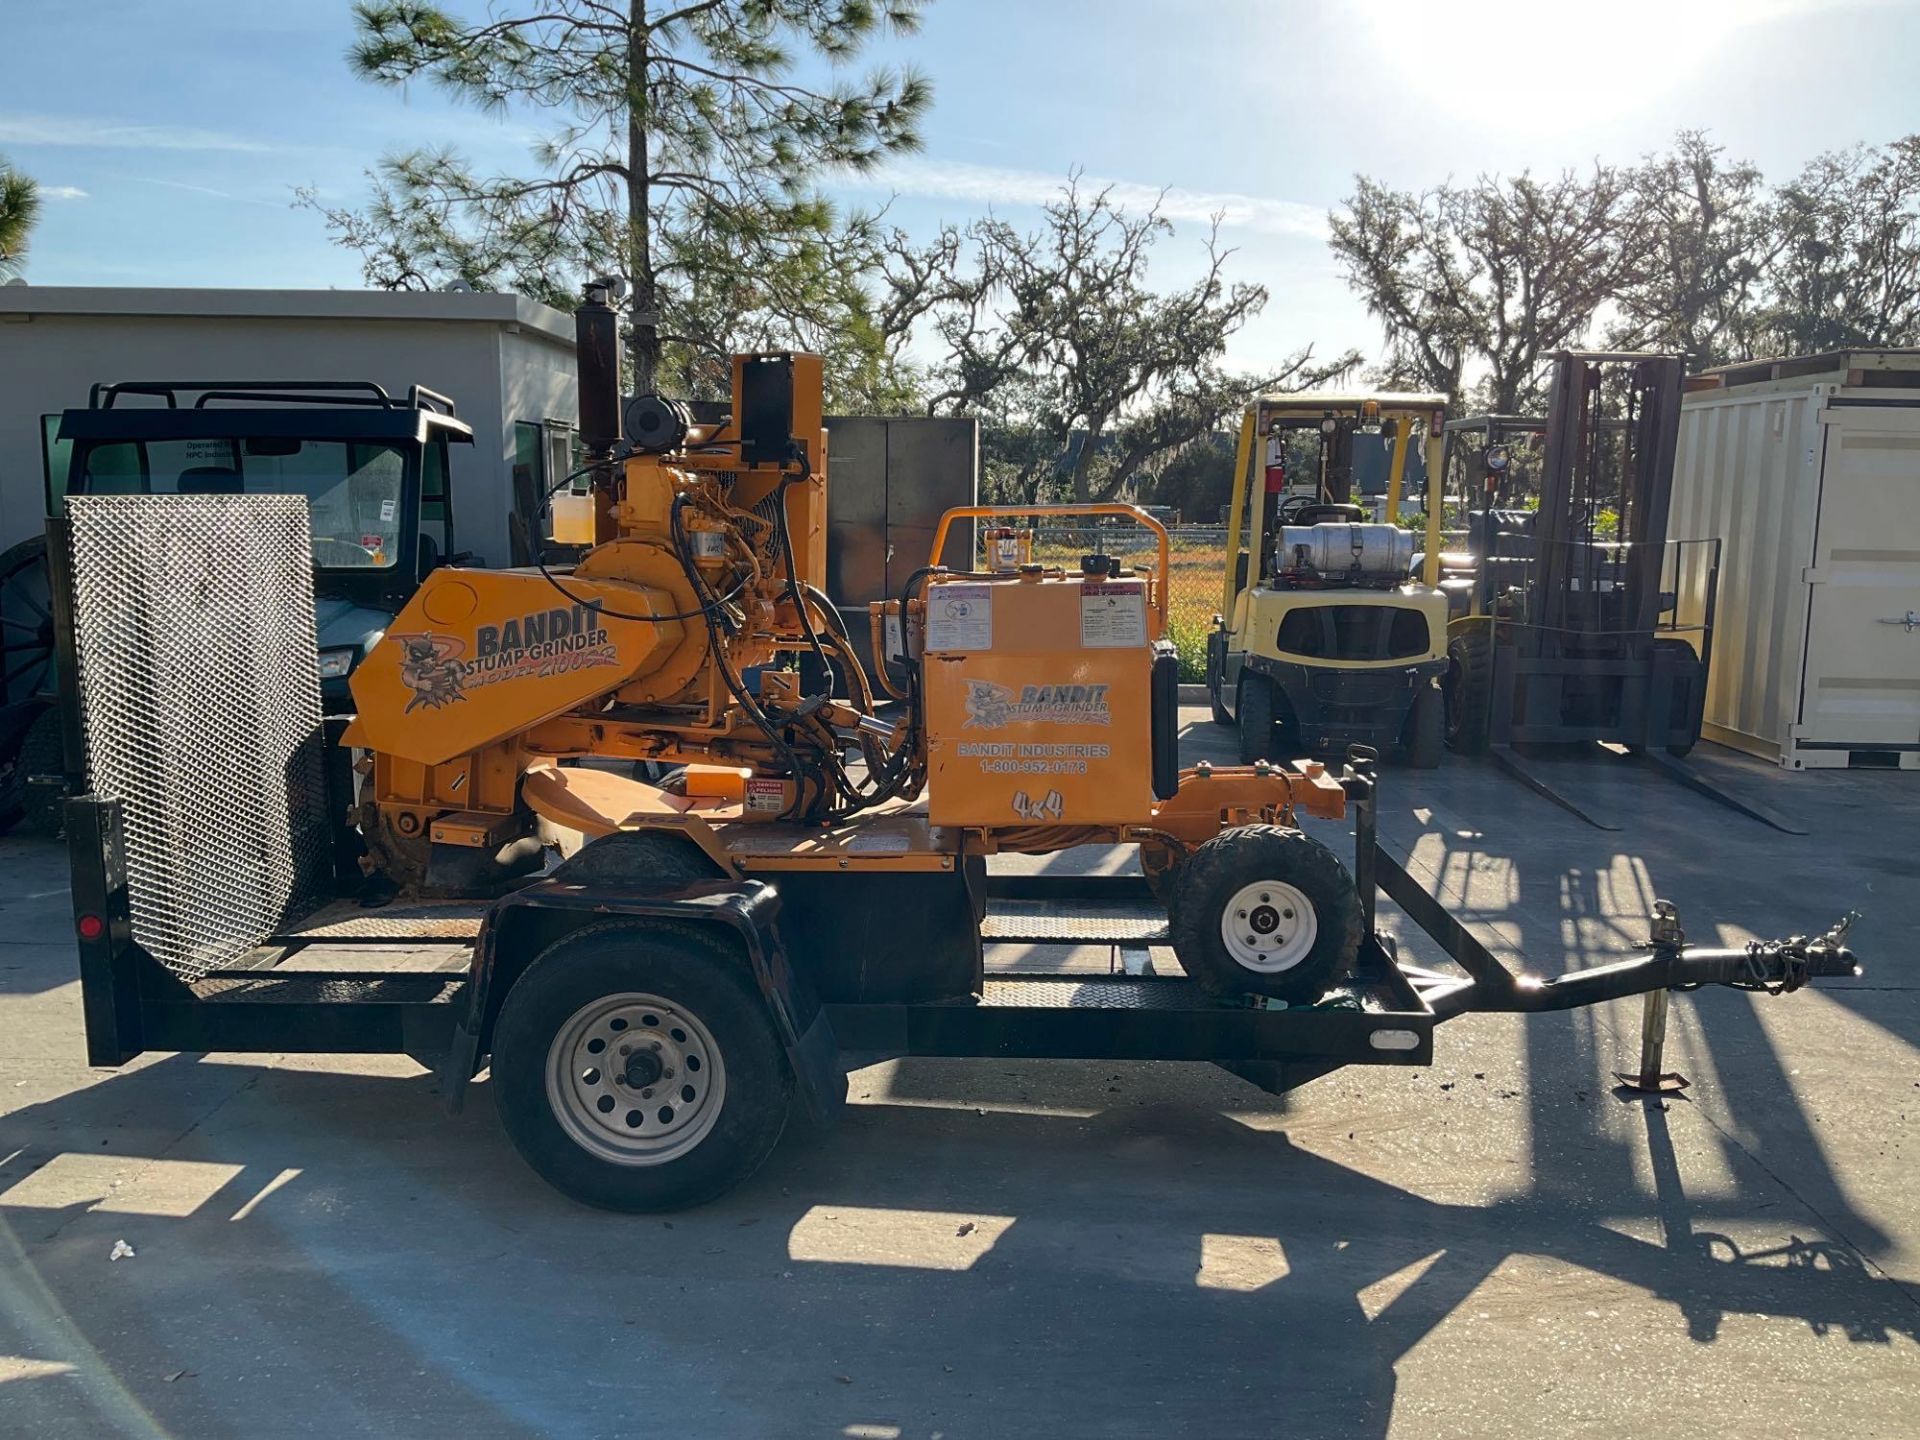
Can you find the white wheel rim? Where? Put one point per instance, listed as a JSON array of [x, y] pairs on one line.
[[635, 1079], [1268, 926]]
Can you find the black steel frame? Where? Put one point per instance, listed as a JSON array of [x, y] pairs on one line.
[[131, 1003]]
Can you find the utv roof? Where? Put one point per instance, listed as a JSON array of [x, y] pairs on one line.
[[265, 409]]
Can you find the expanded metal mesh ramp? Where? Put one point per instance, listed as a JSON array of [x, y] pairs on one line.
[[200, 689]]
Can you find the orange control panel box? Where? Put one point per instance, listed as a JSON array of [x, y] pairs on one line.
[[1038, 703]]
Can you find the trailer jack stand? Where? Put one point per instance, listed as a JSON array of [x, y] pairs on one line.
[[1653, 1041], [1664, 931]]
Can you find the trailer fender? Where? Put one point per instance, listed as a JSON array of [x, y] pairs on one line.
[[523, 924]]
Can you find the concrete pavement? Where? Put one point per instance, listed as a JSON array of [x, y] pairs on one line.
[[1497, 1246]]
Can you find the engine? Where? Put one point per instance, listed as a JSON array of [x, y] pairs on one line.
[[681, 636]]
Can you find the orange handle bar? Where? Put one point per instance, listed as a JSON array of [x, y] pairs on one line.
[[1130, 512]]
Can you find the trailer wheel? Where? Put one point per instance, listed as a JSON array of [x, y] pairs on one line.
[[1263, 910], [1426, 727], [1469, 690], [1256, 718], [637, 1068]]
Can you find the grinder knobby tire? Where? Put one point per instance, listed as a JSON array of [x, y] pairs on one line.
[[693, 1105], [1263, 910]]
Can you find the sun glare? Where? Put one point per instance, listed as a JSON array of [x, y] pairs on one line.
[[1548, 64]]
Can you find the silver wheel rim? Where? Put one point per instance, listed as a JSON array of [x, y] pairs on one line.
[[635, 1079], [1268, 926]]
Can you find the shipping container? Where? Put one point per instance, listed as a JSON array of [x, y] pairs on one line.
[[1808, 470]]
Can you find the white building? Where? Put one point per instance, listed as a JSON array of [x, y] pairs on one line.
[[507, 363]]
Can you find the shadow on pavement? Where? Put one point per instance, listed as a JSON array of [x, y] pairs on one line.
[[340, 1255]]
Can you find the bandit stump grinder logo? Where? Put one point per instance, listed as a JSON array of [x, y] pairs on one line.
[[545, 643], [990, 706], [430, 667]]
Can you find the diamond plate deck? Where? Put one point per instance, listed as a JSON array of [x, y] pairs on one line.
[[410, 921], [1045, 922], [329, 990], [1118, 992]]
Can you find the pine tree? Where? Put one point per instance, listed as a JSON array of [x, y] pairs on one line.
[[684, 158]]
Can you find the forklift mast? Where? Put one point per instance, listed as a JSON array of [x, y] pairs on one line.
[[1584, 599]]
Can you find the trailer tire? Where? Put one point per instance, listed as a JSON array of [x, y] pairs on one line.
[[720, 1083], [1469, 691], [1256, 718], [1426, 727], [1264, 910]]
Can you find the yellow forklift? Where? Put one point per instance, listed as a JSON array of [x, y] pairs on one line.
[[1325, 636]]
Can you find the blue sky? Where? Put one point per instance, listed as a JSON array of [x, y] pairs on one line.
[[170, 134]]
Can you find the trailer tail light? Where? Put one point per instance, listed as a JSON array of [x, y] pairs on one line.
[[91, 927]]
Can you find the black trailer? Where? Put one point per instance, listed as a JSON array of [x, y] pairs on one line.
[[419, 979], [647, 1031]]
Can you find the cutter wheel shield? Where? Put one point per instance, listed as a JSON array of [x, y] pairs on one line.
[[1262, 910], [637, 1069]]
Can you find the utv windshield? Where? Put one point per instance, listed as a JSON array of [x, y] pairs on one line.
[[353, 490]]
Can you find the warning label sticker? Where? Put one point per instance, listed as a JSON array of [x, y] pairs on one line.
[[766, 795], [1113, 614], [960, 617]]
